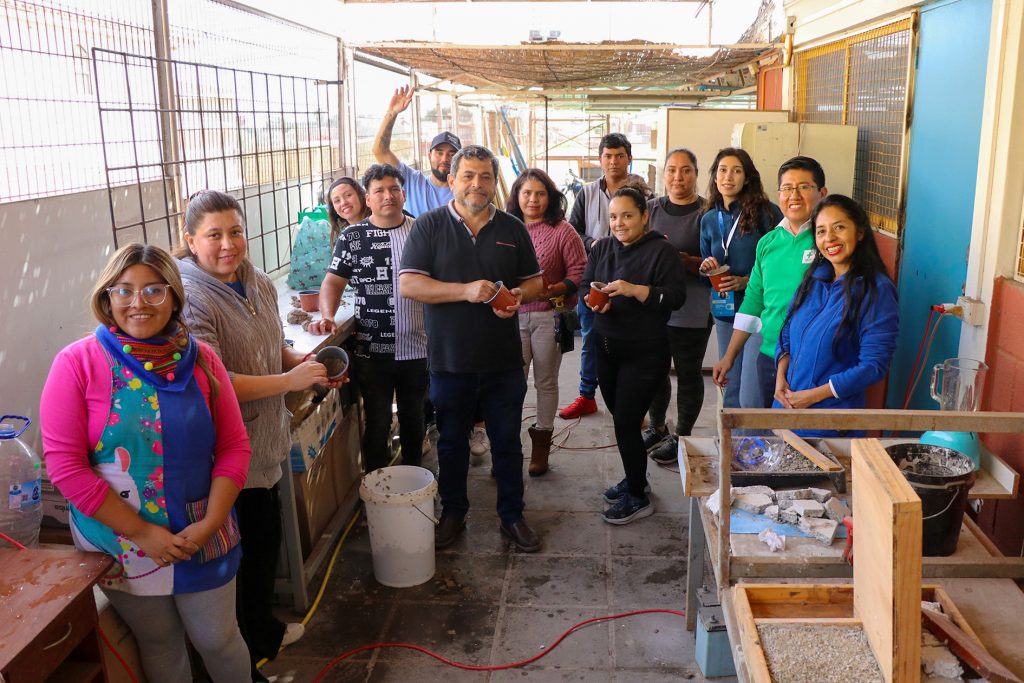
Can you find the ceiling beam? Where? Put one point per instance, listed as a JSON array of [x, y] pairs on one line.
[[413, 45]]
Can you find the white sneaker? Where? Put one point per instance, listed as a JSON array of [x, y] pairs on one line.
[[479, 444], [292, 633]]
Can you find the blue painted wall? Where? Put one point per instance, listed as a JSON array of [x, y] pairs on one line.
[[944, 137]]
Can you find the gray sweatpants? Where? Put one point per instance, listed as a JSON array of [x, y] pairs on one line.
[[537, 332], [160, 623]]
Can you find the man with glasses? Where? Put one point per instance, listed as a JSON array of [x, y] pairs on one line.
[[781, 258]]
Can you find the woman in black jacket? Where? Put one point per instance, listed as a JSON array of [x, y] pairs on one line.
[[645, 282]]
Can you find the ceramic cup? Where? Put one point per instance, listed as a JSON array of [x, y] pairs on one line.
[[597, 297], [502, 299], [335, 359], [310, 300], [716, 276]]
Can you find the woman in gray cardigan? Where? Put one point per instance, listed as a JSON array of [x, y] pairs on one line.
[[232, 306]]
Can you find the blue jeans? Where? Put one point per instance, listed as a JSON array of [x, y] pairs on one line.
[[498, 396], [766, 373], [588, 355], [743, 389]]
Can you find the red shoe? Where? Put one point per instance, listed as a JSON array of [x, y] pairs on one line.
[[578, 408]]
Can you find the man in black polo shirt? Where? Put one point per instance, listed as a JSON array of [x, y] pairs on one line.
[[451, 262]]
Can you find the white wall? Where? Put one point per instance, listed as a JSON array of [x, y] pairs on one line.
[[54, 248], [816, 19]]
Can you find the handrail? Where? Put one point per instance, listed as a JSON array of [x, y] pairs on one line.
[[899, 420]]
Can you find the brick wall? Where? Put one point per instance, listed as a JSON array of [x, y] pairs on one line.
[[1003, 521]]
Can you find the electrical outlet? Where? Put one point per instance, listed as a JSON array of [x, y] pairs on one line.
[[972, 311]]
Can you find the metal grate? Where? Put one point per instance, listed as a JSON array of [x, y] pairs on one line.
[[49, 136], [271, 140], [863, 80]]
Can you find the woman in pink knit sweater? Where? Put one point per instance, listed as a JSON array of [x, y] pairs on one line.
[[143, 434], [535, 200]]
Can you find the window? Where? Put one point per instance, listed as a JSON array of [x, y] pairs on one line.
[[863, 81]]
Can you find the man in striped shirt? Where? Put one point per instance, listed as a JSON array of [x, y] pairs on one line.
[[390, 341]]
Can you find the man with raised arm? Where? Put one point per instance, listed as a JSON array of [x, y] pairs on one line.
[[423, 191]]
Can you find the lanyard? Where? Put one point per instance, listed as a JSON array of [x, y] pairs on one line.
[[726, 241]]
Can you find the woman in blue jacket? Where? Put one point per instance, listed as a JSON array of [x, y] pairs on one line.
[[737, 215], [840, 333]]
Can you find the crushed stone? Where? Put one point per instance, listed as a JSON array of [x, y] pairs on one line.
[[816, 654]]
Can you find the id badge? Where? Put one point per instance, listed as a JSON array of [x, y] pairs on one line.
[[723, 304]]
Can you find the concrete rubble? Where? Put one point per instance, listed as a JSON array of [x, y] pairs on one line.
[[814, 511], [808, 508], [836, 510], [754, 503], [820, 495], [823, 530], [795, 494]]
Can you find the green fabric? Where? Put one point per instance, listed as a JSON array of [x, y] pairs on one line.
[[779, 265]]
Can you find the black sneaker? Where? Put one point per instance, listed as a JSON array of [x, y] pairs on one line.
[[666, 452], [613, 493], [652, 437], [627, 509]]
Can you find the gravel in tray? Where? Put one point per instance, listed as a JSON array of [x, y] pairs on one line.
[[792, 460], [818, 654]]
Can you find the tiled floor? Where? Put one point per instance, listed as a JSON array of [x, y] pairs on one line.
[[490, 605]]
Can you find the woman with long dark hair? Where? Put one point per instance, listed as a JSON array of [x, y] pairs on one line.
[[645, 283], [840, 333], [737, 214], [536, 200], [346, 205]]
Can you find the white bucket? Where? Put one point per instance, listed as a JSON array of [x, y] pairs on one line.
[[399, 511]]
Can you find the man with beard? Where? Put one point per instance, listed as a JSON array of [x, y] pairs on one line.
[[423, 191], [453, 262]]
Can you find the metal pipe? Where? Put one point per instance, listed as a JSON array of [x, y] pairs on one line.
[[380, 64], [546, 134]]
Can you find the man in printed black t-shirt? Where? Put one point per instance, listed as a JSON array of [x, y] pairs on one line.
[[451, 262], [390, 342]]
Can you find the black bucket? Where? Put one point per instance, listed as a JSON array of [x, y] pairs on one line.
[[942, 478]]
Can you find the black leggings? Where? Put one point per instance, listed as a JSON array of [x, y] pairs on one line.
[[688, 345], [629, 373], [259, 523]]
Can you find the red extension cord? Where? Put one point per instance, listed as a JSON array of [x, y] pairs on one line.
[[495, 667]]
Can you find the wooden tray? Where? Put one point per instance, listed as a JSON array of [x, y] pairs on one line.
[[818, 605]]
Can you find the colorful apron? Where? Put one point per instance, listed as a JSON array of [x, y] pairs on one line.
[[155, 476]]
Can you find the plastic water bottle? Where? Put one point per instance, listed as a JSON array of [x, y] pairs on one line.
[[21, 495]]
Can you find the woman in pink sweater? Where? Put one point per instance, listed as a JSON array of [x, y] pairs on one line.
[[535, 200], [143, 434]]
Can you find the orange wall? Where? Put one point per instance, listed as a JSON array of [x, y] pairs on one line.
[[769, 89], [1003, 521]]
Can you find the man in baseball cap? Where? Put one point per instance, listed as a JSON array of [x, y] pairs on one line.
[[423, 191]]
